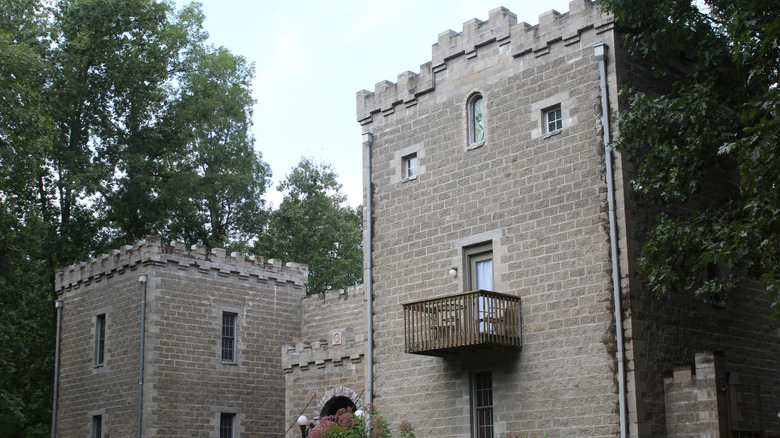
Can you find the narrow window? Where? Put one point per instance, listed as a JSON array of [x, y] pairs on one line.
[[553, 119], [479, 260], [410, 166], [480, 267], [476, 114], [100, 339], [226, 425], [483, 404], [229, 337], [97, 426]]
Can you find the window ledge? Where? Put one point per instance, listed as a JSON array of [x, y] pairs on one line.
[[475, 145], [411, 178], [553, 133]]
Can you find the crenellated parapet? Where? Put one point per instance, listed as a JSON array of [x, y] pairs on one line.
[[518, 40], [198, 257], [323, 352]]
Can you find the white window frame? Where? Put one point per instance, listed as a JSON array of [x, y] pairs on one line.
[[473, 142], [552, 118], [410, 165]]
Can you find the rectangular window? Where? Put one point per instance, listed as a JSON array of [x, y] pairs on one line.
[[483, 404], [226, 425], [410, 166], [100, 339], [97, 426], [229, 337], [479, 260], [553, 119]]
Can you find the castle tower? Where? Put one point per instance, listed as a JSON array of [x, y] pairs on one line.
[[502, 239], [213, 326]]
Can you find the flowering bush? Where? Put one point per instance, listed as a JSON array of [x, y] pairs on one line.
[[345, 424]]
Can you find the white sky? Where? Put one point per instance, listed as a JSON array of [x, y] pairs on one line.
[[312, 57]]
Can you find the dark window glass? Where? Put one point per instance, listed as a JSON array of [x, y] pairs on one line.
[[483, 404], [229, 337], [226, 425], [100, 339], [97, 426]]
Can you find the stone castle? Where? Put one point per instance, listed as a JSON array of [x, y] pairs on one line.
[[501, 290]]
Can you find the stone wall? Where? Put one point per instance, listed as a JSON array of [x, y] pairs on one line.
[[538, 198], [329, 360], [696, 401], [186, 383], [663, 332]]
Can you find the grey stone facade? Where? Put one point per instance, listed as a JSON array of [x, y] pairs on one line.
[[187, 385], [537, 199], [531, 199], [325, 368]]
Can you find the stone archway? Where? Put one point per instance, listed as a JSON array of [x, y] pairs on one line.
[[337, 398]]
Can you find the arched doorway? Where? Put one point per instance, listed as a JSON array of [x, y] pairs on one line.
[[335, 404], [338, 398]]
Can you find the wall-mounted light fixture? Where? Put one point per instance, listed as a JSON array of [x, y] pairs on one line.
[[453, 271]]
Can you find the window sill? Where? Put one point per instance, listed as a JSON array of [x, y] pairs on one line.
[[553, 133], [475, 145], [411, 178]]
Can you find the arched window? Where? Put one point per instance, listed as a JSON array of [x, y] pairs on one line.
[[476, 114]]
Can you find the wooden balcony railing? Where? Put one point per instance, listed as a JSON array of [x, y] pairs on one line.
[[472, 320]]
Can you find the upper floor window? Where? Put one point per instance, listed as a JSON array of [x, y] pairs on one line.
[[553, 119], [479, 259], [476, 116], [100, 339], [229, 336], [409, 166]]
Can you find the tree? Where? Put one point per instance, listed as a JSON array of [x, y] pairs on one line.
[[222, 175], [26, 326], [314, 226], [94, 136], [709, 142], [134, 56]]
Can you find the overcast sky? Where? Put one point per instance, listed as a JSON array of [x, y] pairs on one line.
[[312, 57]]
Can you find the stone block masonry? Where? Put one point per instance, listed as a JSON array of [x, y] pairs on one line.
[[327, 364], [187, 383], [536, 198]]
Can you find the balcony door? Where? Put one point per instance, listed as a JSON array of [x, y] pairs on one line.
[[480, 267]]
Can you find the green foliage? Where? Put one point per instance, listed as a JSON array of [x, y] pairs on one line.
[[220, 172], [116, 119], [314, 226], [708, 142], [345, 424]]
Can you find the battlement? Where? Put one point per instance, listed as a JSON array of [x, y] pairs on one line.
[[152, 251], [501, 29], [307, 355]]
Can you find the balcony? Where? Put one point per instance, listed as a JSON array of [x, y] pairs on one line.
[[477, 320]]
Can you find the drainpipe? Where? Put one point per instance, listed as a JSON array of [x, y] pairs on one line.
[[58, 305], [368, 141], [601, 57], [142, 279]]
